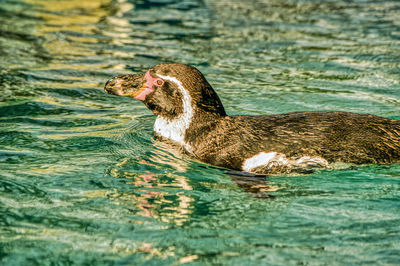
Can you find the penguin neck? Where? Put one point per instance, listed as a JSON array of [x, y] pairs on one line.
[[185, 128], [199, 112], [175, 128]]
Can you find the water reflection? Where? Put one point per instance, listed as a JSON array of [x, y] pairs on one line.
[[157, 193], [76, 40], [256, 185], [165, 194]]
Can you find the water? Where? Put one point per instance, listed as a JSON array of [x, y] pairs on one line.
[[83, 181]]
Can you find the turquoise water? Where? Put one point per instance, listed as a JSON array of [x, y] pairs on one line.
[[82, 180]]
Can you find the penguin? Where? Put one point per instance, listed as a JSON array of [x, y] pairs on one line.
[[190, 114]]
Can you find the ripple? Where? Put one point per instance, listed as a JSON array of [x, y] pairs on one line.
[[83, 181]]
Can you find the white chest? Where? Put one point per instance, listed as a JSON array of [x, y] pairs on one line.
[[171, 129]]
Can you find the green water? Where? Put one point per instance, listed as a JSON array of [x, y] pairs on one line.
[[82, 181]]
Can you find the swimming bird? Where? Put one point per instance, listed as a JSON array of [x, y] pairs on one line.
[[190, 114]]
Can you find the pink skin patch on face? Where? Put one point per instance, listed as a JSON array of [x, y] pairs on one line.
[[148, 87]]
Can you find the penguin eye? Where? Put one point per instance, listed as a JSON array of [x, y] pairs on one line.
[[159, 82]]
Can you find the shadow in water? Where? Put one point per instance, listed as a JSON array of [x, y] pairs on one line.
[[254, 184]]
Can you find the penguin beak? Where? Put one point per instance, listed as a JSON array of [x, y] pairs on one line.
[[137, 86], [126, 85]]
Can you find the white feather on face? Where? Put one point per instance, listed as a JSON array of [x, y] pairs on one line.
[[175, 129]]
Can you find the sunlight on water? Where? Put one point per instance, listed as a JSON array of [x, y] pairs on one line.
[[83, 181]]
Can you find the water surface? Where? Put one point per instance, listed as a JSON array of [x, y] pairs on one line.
[[83, 181]]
